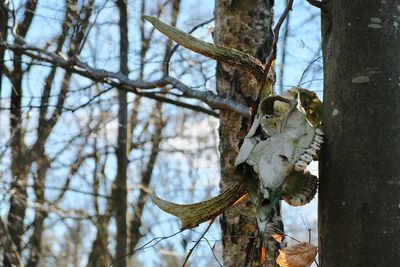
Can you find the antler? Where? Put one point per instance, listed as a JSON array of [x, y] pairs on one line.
[[223, 54], [192, 215]]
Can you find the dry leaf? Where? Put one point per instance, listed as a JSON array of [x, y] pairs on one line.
[[263, 255], [301, 255], [278, 237]]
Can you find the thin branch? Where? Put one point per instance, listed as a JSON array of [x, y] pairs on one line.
[[125, 83], [197, 242], [179, 104], [307, 69], [271, 56], [58, 188], [208, 97], [284, 52], [212, 251], [168, 57], [150, 244]]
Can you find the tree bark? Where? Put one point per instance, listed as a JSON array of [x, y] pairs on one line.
[[11, 256], [120, 197], [246, 26], [40, 214], [20, 162], [359, 194], [3, 37]]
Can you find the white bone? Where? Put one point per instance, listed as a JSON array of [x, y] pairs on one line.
[[297, 168], [300, 165], [318, 139], [311, 151], [319, 132], [315, 146], [307, 158]]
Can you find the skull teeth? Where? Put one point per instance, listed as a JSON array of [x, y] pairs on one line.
[[315, 146], [300, 166], [318, 139], [306, 158], [319, 132], [312, 152]]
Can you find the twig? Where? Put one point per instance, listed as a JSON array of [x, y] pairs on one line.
[[284, 234], [284, 52], [156, 240], [306, 70], [308, 228], [212, 251], [91, 26], [197, 242], [168, 57], [272, 54]]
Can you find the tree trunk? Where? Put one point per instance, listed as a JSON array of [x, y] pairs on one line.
[[20, 162], [246, 26], [359, 195], [120, 203], [40, 214], [3, 36]]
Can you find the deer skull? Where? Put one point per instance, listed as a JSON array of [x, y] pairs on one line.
[[280, 142]]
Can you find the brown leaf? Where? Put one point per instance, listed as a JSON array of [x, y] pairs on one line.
[[278, 237], [301, 255]]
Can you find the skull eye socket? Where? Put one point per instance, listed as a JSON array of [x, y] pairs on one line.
[[269, 105], [265, 202]]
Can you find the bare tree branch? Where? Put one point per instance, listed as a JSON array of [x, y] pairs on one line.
[[272, 54], [197, 242], [123, 82]]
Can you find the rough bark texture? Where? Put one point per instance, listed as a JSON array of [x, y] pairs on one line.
[[246, 26], [359, 195]]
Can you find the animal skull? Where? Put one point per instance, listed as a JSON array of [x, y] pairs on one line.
[[281, 141]]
